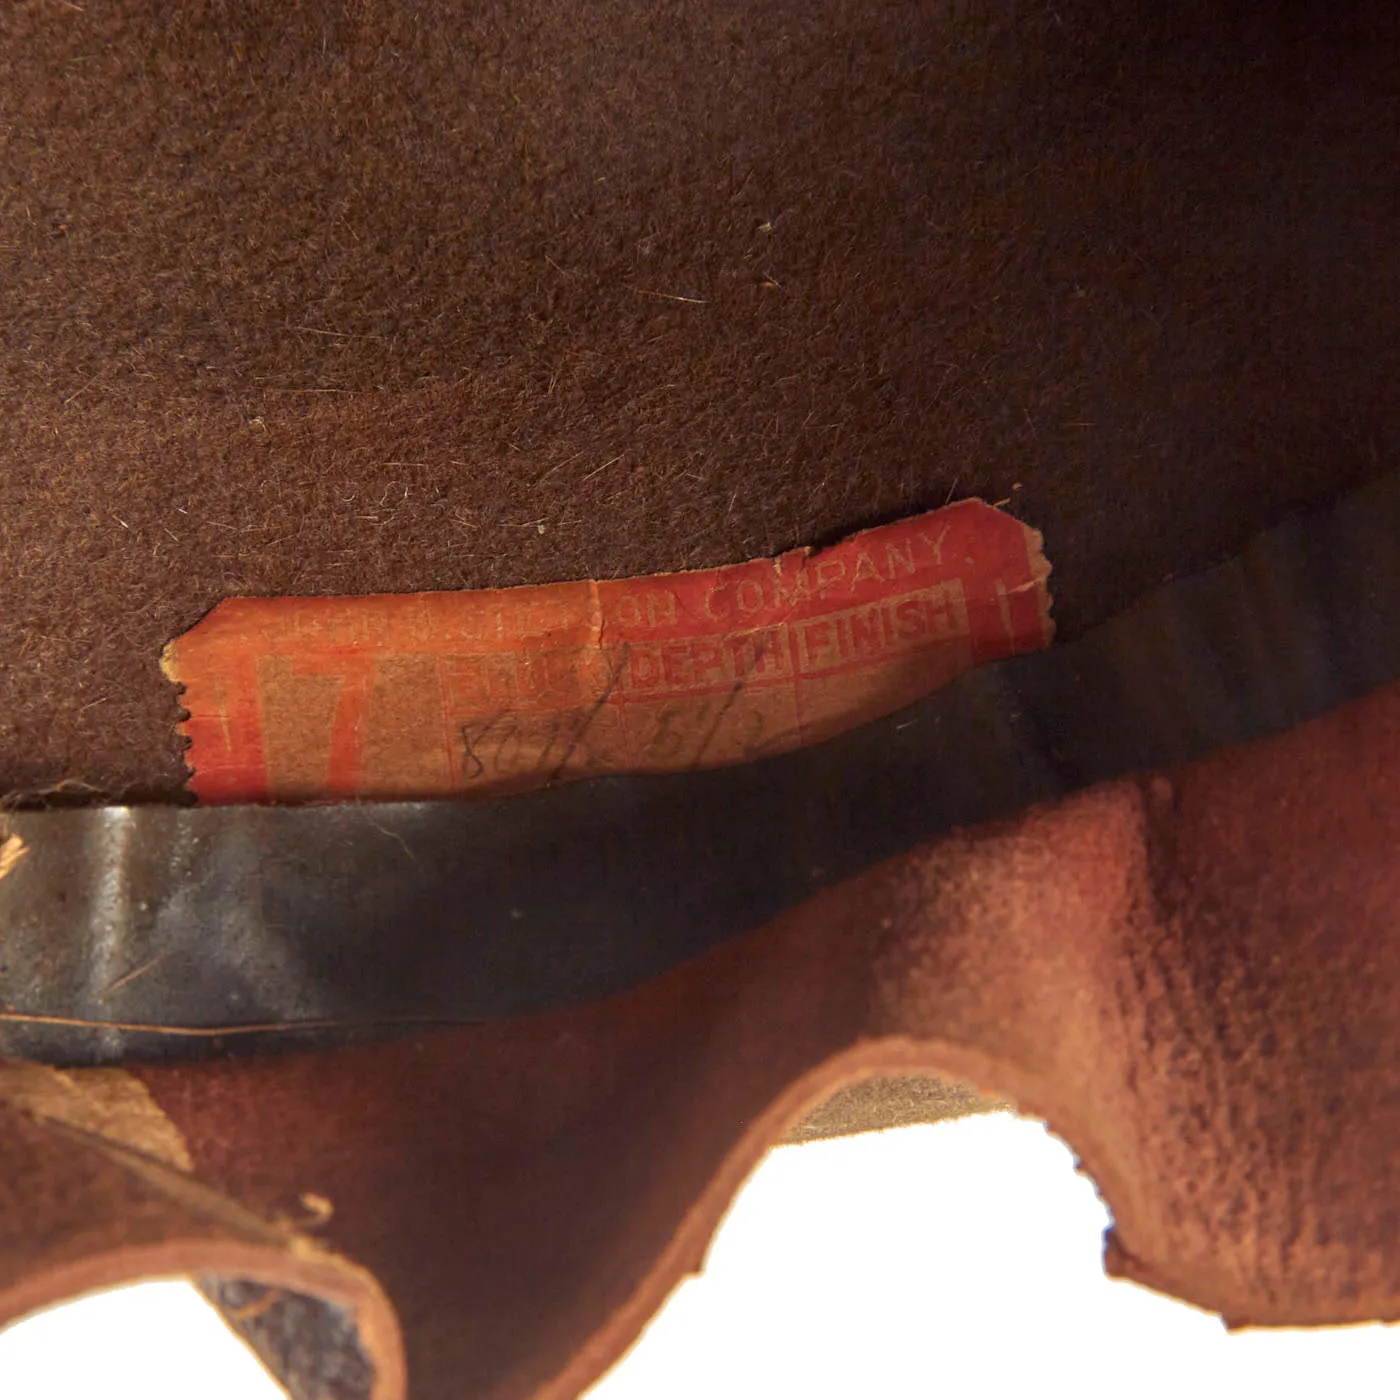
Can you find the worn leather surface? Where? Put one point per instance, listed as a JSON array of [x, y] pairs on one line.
[[96, 1189], [1192, 975]]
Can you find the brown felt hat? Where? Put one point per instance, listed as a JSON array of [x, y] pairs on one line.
[[344, 297]]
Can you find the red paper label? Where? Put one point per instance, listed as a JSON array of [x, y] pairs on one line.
[[451, 694]]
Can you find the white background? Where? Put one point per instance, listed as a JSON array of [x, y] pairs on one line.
[[958, 1259]]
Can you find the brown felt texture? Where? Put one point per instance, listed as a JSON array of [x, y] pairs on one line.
[[1193, 976], [337, 297], [890, 1101]]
